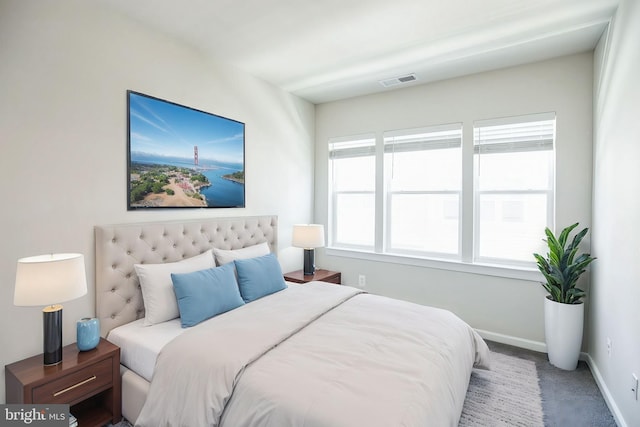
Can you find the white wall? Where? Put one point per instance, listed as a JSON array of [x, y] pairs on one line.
[[507, 308], [66, 66], [615, 295]]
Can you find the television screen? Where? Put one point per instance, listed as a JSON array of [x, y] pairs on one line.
[[180, 157]]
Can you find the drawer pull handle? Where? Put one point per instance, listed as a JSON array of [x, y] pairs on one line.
[[58, 393]]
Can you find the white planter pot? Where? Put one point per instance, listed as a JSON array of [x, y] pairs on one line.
[[563, 326]]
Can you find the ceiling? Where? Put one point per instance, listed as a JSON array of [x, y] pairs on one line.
[[325, 50]]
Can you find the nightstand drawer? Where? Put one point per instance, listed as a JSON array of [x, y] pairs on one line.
[[76, 386]]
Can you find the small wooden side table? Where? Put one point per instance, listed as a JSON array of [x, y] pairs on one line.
[[321, 275], [88, 381]]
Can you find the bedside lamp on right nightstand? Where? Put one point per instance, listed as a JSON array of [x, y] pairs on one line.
[[308, 237]]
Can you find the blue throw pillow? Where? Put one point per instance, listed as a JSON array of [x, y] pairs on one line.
[[206, 293], [259, 277]]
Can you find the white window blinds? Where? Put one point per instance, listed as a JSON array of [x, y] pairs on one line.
[[535, 132], [428, 138], [357, 146]]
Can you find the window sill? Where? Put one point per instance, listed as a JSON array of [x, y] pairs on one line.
[[530, 274]]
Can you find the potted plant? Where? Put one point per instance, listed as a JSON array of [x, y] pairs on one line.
[[564, 308]]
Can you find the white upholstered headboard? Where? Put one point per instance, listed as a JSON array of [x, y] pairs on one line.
[[119, 247]]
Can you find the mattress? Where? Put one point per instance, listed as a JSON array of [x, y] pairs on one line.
[[140, 345]]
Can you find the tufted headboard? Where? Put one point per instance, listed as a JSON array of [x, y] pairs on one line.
[[119, 247]]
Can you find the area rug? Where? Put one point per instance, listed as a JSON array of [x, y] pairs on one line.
[[507, 395]]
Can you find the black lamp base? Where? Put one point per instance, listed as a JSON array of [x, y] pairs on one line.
[[52, 322], [309, 263]]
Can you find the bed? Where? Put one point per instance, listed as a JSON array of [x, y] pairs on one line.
[[314, 355]]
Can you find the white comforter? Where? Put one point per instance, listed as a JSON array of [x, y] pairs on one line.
[[317, 355]]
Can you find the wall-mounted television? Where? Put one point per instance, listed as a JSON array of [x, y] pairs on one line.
[[181, 157]]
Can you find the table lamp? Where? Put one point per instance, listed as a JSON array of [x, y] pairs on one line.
[[49, 280], [308, 237]]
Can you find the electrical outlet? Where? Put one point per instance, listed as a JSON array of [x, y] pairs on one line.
[[362, 280], [608, 346], [634, 386]]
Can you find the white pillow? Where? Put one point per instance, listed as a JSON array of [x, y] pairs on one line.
[[226, 256], [160, 303]]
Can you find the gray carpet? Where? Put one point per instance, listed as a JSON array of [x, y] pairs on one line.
[[568, 398]]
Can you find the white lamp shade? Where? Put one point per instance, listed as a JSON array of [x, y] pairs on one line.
[[308, 236], [49, 279]]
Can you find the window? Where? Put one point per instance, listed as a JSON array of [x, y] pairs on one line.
[[438, 196], [423, 183], [352, 171], [514, 182]]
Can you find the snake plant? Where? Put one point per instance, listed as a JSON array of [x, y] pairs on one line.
[[561, 268]]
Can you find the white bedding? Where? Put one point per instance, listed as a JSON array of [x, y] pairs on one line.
[[140, 345], [317, 355]]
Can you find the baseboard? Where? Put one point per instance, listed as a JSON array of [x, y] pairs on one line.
[[608, 398], [514, 341]]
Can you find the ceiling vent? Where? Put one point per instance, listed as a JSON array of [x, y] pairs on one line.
[[408, 78]]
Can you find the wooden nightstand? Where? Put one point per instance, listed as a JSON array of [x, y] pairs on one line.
[[89, 381], [321, 275]]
